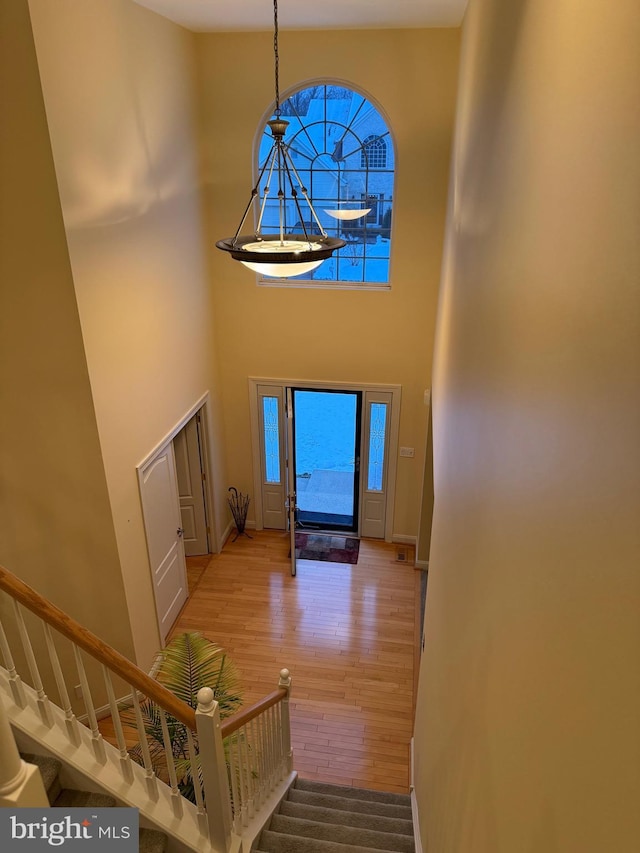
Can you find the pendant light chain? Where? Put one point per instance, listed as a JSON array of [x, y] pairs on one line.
[[280, 255], [276, 56]]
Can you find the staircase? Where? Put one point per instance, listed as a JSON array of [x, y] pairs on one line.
[[320, 818], [151, 841]]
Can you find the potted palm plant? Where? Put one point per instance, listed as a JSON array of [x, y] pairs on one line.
[[188, 663]]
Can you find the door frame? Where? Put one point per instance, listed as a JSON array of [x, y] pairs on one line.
[[201, 407], [394, 433]]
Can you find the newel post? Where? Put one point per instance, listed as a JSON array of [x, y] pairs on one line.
[[287, 752], [20, 783], [214, 770]]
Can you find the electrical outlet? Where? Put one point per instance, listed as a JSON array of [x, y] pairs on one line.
[[78, 691]]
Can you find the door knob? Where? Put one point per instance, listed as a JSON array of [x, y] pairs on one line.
[[180, 531]]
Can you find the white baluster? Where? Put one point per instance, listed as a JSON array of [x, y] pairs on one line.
[[125, 760], [69, 717], [267, 750], [273, 742], [176, 796], [232, 742], [242, 780], [214, 770], [17, 688], [255, 767], [197, 786], [287, 751], [248, 775], [96, 736], [150, 776], [264, 758], [43, 701]]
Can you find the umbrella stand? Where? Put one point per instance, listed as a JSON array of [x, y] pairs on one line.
[[239, 505]]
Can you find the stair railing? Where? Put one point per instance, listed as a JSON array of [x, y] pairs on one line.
[[241, 761], [259, 755]]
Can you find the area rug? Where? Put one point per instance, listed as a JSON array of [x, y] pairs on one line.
[[327, 548]]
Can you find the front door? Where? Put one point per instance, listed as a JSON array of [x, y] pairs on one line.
[[336, 486], [326, 457]]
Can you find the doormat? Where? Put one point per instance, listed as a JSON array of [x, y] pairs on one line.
[[327, 548]]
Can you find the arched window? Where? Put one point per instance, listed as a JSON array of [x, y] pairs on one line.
[[344, 155], [374, 153]]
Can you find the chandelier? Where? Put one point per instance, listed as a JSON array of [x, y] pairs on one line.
[[280, 255]]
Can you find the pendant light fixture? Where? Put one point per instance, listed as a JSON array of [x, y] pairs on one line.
[[281, 255]]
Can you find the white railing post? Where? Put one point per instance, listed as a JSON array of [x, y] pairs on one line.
[[214, 770], [287, 751], [20, 783]]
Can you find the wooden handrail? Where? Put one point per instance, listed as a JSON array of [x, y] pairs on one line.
[[95, 647], [240, 718]]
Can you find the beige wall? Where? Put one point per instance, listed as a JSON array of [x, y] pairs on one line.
[[529, 697], [332, 335], [119, 88], [56, 531]]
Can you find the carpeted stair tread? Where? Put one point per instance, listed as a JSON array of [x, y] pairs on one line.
[[381, 823], [70, 799], [341, 834], [274, 842], [49, 770], [354, 793], [348, 804], [149, 840], [152, 841]]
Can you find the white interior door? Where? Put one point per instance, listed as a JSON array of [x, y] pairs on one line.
[[161, 511], [190, 476], [291, 482]]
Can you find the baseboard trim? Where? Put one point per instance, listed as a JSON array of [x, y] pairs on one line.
[[403, 539], [416, 823], [422, 564], [414, 801]]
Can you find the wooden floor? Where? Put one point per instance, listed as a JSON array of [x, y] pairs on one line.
[[346, 633]]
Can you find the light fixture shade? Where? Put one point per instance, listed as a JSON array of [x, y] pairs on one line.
[[291, 256], [356, 213]]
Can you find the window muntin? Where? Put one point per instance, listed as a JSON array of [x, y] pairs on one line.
[[334, 135], [374, 153]]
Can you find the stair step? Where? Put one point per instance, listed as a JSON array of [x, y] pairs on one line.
[[381, 823], [341, 834], [349, 804], [49, 770], [274, 842], [70, 799], [152, 841], [355, 793]]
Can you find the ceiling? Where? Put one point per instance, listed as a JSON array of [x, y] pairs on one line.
[[234, 15]]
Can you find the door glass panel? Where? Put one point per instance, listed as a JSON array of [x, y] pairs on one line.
[[326, 433], [271, 439], [377, 436]]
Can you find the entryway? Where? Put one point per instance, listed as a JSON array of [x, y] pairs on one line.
[[326, 458], [329, 450]]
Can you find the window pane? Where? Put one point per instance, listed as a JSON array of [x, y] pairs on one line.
[[377, 434], [271, 439], [342, 153]]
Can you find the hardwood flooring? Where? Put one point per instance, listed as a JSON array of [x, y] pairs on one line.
[[347, 634]]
